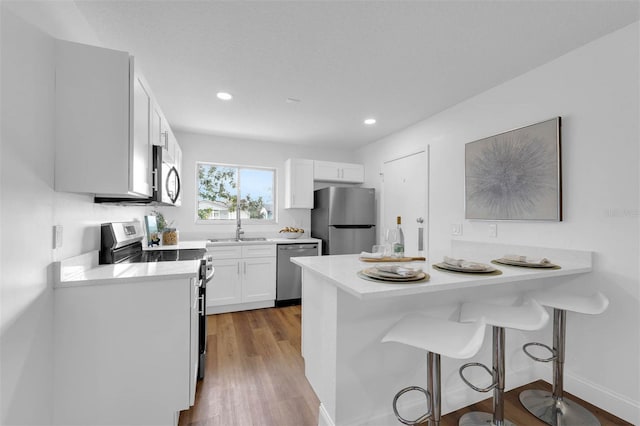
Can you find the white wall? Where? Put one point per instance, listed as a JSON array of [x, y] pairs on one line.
[[28, 210], [595, 91], [225, 150]]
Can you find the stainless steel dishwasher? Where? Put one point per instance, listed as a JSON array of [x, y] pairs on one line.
[[289, 275]]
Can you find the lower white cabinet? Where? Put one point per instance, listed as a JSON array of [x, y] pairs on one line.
[[244, 278], [125, 352]]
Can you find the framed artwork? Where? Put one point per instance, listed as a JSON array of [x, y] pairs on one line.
[[515, 175]]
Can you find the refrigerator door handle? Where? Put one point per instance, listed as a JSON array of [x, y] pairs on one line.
[[352, 226]]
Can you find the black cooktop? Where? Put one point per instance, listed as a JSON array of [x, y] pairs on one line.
[[167, 255]]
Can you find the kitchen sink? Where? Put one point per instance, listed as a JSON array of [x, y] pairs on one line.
[[229, 240]]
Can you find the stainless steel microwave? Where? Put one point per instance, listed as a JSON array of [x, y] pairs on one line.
[[167, 189]]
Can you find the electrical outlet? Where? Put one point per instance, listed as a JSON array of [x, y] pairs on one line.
[[456, 229], [493, 230], [57, 236]]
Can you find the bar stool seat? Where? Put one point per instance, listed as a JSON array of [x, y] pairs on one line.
[[529, 316], [594, 304], [437, 337], [551, 407]]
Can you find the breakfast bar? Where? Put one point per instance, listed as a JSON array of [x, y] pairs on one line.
[[344, 317]]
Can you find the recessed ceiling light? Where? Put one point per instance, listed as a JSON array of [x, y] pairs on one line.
[[370, 121], [224, 96]]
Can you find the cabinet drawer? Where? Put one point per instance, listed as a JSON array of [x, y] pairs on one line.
[[259, 250], [225, 252]]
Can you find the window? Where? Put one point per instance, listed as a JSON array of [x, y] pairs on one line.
[[220, 187]]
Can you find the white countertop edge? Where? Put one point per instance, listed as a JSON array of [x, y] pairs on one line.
[[343, 273], [85, 270], [83, 282]]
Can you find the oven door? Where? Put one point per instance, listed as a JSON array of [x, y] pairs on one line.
[[170, 184]]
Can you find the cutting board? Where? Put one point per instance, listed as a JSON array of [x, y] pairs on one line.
[[393, 259]]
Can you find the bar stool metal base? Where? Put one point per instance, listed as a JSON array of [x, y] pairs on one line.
[[479, 418], [563, 412]]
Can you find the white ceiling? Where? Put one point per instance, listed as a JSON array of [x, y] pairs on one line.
[[397, 61]]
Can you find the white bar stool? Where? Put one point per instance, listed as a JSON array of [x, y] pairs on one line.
[[551, 407], [437, 337], [528, 316]]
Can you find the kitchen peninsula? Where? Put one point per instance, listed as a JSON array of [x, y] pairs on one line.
[[344, 317]]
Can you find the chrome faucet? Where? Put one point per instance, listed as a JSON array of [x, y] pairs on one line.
[[239, 230]]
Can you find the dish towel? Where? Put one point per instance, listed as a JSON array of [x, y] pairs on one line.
[[367, 255], [400, 271], [526, 259], [464, 264]]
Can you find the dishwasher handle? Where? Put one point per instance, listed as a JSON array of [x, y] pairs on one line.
[[298, 247]]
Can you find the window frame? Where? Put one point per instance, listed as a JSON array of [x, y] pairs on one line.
[[199, 221]]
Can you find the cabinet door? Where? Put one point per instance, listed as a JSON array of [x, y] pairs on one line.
[[298, 184], [338, 172], [140, 155], [326, 170], [156, 126], [353, 173], [259, 279], [177, 159], [225, 287], [194, 349]]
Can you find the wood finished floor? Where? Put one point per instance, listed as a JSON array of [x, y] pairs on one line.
[[254, 373], [254, 376]]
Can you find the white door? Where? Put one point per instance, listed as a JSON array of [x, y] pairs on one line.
[[405, 193]]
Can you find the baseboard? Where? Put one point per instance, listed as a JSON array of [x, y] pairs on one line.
[[608, 400], [324, 419], [211, 310]]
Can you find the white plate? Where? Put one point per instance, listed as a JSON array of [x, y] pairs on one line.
[[488, 268], [525, 264], [375, 275]]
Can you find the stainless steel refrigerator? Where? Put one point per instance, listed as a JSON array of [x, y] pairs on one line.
[[344, 219]]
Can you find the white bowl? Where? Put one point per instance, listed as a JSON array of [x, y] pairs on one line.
[[291, 235]]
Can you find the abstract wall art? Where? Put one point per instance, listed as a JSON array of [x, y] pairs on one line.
[[515, 175]]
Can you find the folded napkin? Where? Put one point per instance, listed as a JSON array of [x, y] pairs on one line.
[[527, 259], [465, 264], [367, 255], [400, 271]]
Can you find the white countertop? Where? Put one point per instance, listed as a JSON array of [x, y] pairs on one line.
[[301, 240], [342, 271], [182, 245], [84, 270]]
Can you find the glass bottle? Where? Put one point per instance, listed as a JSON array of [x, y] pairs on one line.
[[398, 244]]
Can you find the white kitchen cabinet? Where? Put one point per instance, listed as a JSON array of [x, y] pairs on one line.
[[125, 352], [298, 184], [162, 135], [244, 278], [330, 171], [226, 287], [102, 127], [177, 158]]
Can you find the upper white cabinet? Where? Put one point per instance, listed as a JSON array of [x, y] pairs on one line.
[[329, 171], [106, 123], [298, 184]]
